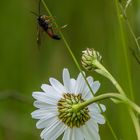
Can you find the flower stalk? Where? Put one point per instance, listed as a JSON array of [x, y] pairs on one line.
[[120, 97], [132, 114]]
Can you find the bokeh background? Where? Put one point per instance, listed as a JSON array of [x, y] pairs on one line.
[[23, 67]]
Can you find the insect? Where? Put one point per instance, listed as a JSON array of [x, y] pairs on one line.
[[45, 25]]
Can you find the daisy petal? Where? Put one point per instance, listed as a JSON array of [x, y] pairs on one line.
[[80, 84], [72, 85], [90, 79], [67, 134], [39, 104], [45, 87], [95, 108], [103, 107], [47, 121], [95, 86], [86, 94], [89, 132], [43, 97], [53, 131], [66, 79], [38, 114], [50, 91], [57, 86], [99, 118], [77, 134]]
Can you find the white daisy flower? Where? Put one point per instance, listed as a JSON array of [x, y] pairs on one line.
[[55, 113]]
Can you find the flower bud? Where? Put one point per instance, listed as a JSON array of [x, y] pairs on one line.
[[89, 56]]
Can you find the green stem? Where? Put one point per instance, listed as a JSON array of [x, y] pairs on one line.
[[135, 122], [107, 96], [76, 62], [124, 48], [103, 71], [129, 26], [132, 114]]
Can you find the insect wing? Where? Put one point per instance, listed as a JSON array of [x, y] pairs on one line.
[[39, 36]]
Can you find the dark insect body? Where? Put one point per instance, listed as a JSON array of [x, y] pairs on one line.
[[45, 23]]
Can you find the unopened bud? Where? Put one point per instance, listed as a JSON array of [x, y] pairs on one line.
[[89, 56]]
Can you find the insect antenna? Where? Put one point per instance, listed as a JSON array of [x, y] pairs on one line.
[[39, 5], [34, 13]]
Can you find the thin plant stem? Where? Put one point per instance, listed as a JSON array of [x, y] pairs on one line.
[[133, 34], [136, 39], [136, 121], [117, 96], [132, 114], [129, 26], [77, 64], [124, 48]]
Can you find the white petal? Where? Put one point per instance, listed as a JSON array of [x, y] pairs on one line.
[[89, 132], [39, 104], [57, 86], [98, 118], [50, 91], [95, 86], [90, 79], [53, 131], [43, 113], [45, 106], [67, 134], [43, 97], [66, 80], [38, 114], [93, 124], [96, 109], [47, 121], [45, 87], [77, 134], [72, 85], [86, 94], [103, 107], [73, 134], [80, 84]]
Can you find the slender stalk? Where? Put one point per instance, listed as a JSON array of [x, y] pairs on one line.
[[124, 48], [129, 26], [136, 40], [77, 64], [103, 71], [118, 87], [120, 97], [136, 124], [133, 34]]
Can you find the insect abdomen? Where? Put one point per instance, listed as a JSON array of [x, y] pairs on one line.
[[56, 37]]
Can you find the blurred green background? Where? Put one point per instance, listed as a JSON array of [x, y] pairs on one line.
[[24, 68]]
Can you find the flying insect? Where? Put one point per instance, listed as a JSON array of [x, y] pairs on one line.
[[44, 25]]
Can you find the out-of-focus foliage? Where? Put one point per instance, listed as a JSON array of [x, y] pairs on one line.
[[24, 68]]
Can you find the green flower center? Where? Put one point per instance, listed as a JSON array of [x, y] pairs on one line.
[[67, 115]]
